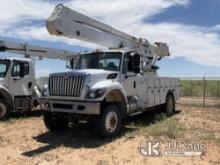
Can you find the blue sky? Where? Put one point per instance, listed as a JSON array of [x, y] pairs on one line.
[[198, 12], [190, 27]]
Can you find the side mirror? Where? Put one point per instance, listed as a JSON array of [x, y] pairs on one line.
[[70, 64], [136, 63]]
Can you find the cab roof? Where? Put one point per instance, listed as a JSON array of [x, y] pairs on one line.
[[17, 59]]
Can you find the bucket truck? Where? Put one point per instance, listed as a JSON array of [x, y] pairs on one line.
[[106, 86], [19, 89]]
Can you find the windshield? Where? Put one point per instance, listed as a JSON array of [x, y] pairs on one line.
[[4, 64], [107, 61]]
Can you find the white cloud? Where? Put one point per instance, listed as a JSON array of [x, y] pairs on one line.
[[123, 12], [198, 44], [216, 28], [194, 43], [20, 10]]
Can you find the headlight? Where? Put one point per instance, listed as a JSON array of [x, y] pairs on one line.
[[96, 93], [45, 91], [92, 95], [88, 80]]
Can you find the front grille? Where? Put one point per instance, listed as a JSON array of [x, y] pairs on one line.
[[62, 85]]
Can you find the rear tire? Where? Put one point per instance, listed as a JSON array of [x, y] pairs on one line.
[[170, 105], [108, 123], [5, 110], [55, 122]]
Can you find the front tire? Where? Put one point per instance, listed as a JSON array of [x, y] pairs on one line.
[[170, 105], [108, 124], [55, 122], [5, 110]]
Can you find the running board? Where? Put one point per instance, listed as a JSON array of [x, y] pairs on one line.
[[136, 113]]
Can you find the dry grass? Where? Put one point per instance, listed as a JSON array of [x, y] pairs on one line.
[[160, 125], [170, 128], [25, 140]]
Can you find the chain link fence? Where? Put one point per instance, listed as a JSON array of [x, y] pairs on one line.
[[201, 88]]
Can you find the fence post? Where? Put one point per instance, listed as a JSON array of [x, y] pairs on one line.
[[218, 89], [204, 90], [191, 90]]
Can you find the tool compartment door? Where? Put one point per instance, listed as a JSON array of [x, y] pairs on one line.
[[157, 95], [164, 84], [150, 91]]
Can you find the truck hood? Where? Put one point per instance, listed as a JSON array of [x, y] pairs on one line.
[[94, 72], [94, 75], [86, 72], [97, 75]]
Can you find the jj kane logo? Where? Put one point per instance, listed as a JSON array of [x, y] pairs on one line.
[[150, 149], [172, 148]]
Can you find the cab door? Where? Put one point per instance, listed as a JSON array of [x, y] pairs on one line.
[[20, 81], [129, 78]]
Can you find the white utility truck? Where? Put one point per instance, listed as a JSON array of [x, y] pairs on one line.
[[106, 86], [19, 89]]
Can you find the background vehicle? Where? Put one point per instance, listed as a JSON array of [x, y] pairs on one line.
[[19, 89], [106, 86]]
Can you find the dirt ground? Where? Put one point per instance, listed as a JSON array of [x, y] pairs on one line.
[[25, 140]]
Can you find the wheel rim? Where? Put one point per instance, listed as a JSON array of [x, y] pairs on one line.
[[111, 122], [170, 105], [2, 110]]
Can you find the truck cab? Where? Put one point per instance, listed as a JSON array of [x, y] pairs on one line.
[[16, 85], [19, 88]]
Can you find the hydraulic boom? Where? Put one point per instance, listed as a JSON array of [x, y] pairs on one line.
[[69, 23], [35, 51]]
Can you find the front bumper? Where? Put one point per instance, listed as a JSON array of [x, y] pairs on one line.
[[72, 107]]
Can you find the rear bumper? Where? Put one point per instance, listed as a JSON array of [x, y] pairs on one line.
[[72, 107]]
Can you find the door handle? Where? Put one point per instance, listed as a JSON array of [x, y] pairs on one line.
[[134, 84], [29, 85]]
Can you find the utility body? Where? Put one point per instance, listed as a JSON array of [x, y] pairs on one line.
[[106, 86]]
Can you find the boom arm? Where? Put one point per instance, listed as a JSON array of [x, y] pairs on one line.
[[35, 51], [69, 23]]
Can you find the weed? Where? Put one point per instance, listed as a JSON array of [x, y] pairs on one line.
[[169, 127]]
